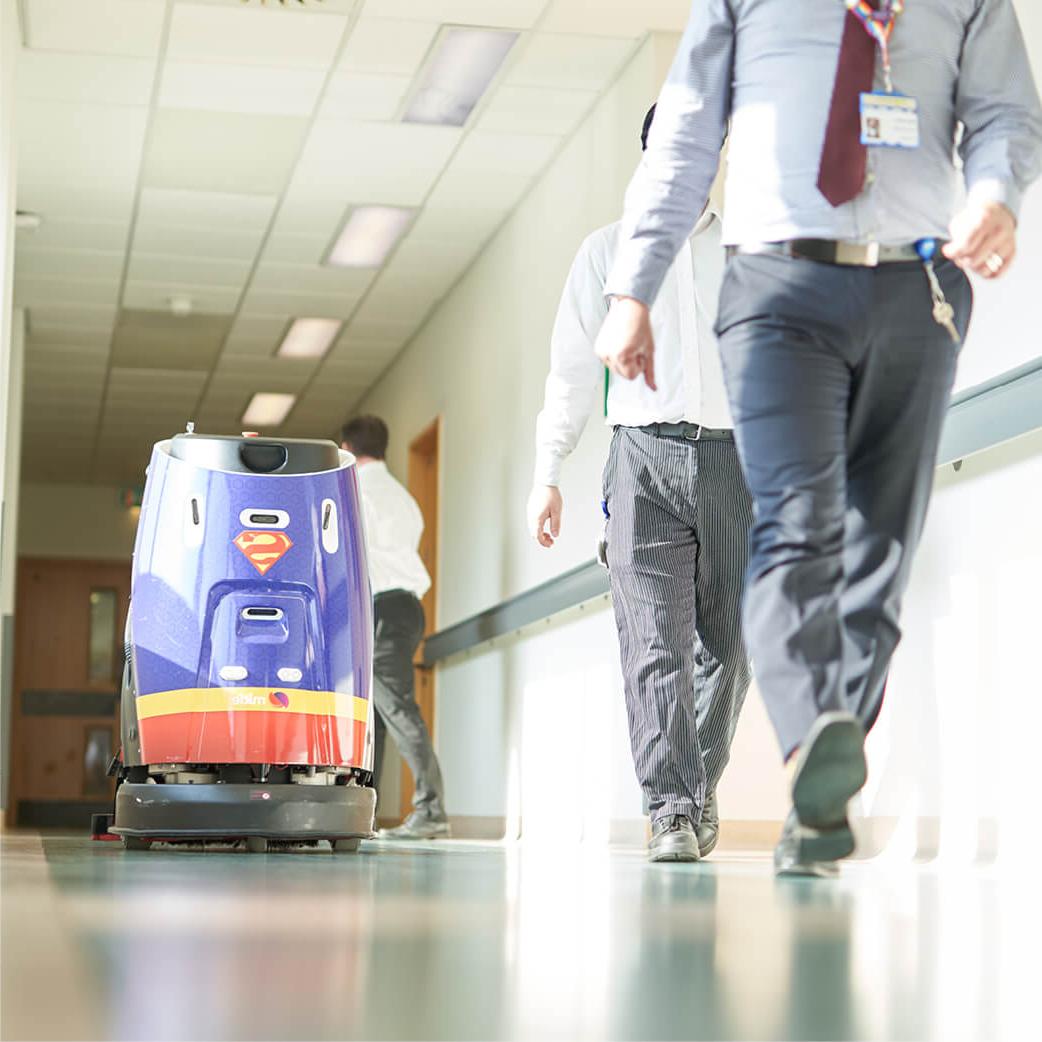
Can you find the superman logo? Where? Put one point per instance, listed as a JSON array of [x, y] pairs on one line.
[[263, 549]]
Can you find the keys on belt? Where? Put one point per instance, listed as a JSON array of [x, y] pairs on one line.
[[866, 255]]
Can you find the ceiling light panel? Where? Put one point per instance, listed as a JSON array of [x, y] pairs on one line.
[[459, 70], [369, 235], [309, 337], [268, 409]]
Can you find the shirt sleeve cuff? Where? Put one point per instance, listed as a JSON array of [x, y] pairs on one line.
[[995, 190], [547, 469]]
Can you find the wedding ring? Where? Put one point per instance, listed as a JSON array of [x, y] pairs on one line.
[[994, 263]]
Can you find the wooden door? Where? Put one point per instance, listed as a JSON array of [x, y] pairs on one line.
[[423, 482], [69, 620]]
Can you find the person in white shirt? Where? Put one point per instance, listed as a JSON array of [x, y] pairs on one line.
[[393, 526], [677, 520]]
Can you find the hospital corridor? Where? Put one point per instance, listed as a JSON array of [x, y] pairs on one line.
[[519, 519]]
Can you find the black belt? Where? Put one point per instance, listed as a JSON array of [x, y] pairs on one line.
[[687, 431], [831, 251]]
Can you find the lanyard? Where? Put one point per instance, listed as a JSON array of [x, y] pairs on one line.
[[879, 25]]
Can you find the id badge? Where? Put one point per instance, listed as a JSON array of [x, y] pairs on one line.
[[889, 121]]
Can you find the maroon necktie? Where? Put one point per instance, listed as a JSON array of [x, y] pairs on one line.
[[841, 173]]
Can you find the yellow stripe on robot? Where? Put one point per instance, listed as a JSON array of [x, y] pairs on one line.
[[251, 699]]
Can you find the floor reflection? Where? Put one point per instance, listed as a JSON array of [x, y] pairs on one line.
[[466, 940]]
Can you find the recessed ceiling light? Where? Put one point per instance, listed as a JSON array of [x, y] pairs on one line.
[[368, 236], [267, 409], [462, 64], [309, 337]]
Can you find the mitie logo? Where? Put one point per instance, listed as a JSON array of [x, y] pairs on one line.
[[279, 698], [263, 549], [244, 698]]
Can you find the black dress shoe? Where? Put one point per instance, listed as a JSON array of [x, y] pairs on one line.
[[673, 839], [708, 828], [790, 857], [830, 771]]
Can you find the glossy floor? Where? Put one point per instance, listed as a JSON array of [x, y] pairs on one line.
[[465, 940]]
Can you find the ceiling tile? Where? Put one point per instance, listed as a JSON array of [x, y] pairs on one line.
[[536, 110], [127, 27], [146, 267], [623, 17], [74, 199], [560, 60], [268, 374], [520, 14], [394, 163], [257, 335], [297, 249], [222, 152], [64, 234], [159, 340], [184, 241], [202, 209], [311, 280], [364, 96], [84, 78], [271, 301], [157, 296], [254, 35], [392, 47], [81, 264], [100, 143], [39, 292], [77, 317], [240, 88], [485, 156]]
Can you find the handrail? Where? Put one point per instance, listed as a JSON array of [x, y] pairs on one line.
[[979, 418]]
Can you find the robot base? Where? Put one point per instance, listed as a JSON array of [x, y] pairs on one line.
[[227, 811]]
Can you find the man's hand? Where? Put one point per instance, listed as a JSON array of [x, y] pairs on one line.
[[984, 239], [625, 343], [545, 504]]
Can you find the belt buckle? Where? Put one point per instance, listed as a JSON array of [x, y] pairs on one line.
[[698, 434], [864, 255]]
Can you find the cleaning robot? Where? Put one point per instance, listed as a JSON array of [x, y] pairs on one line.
[[249, 648]]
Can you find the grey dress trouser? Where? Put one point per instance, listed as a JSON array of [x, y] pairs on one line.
[[399, 623], [677, 532], [839, 380]]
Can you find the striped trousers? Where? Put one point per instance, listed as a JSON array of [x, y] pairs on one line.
[[677, 533]]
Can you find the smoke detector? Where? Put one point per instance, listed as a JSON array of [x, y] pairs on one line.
[[181, 305]]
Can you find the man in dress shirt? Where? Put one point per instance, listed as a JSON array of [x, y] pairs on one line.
[[393, 526], [678, 517], [838, 334]]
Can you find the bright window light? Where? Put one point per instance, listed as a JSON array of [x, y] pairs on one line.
[[461, 66], [267, 409], [309, 337], [369, 235]]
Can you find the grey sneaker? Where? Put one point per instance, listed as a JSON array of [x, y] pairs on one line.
[[417, 826], [791, 858], [830, 770], [673, 839], [708, 828]]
